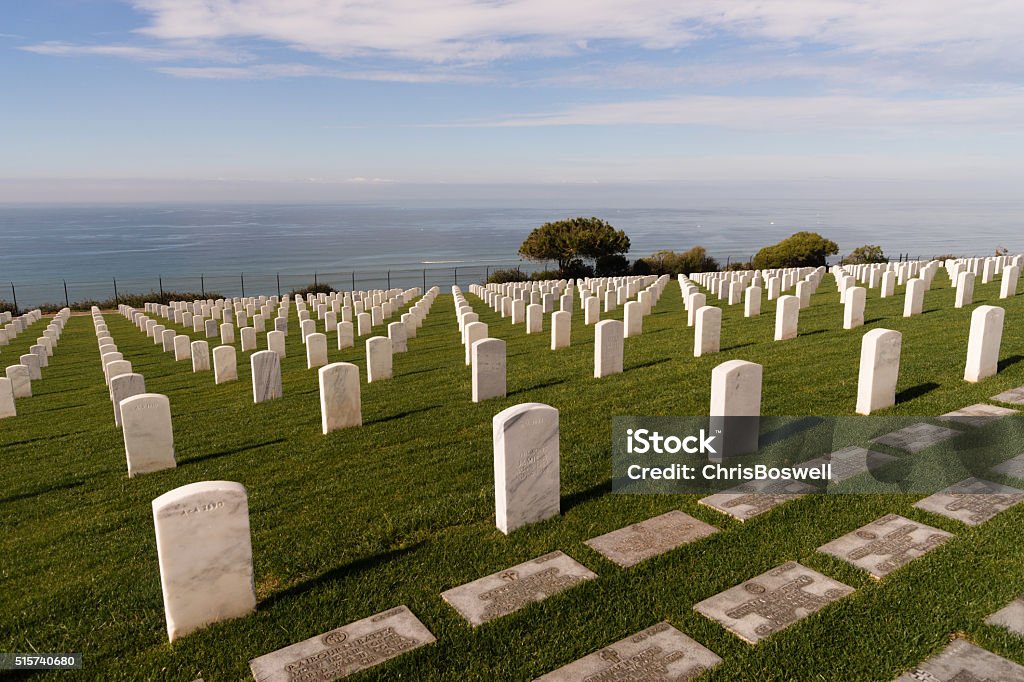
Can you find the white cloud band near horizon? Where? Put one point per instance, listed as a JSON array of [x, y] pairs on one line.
[[802, 113]]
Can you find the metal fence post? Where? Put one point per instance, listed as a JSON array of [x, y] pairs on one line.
[[66, 301], [353, 280], [161, 280], [424, 279], [314, 280], [456, 277], [115, 291], [389, 279], [242, 275], [202, 285], [14, 296], [279, 285]]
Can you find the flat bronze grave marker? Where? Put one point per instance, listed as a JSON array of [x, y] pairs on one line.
[[505, 592], [750, 499], [1010, 616], [1011, 467], [1015, 396], [962, 661], [630, 545], [849, 462], [916, 437], [977, 415], [772, 601], [345, 650], [972, 500], [884, 545], [658, 653]]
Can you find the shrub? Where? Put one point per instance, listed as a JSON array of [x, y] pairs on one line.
[[869, 253], [508, 275], [614, 265], [667, 262], [546, 274], [570, 241], [738, 266], [640, 267], [803, 249], [318, 288]]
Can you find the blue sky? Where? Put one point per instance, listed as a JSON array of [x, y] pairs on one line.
[[208, 99]]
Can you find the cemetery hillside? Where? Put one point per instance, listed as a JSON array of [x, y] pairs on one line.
[[425, 484]]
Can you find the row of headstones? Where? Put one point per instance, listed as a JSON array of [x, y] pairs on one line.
[[536, 292], [225, 360], [743, 286], [17, 380], [337, 396], [379, 349], [261, 309], [707, 319], [364, 309], [510, 301], [398, 332], [326, 308], [987, 268], [487, 356], [219, 317], [14, 326], [144, 418]]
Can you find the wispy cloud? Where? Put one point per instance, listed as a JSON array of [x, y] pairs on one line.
[[782, 113], [845, 43], [298, 70], [482, 30], [170, 51]]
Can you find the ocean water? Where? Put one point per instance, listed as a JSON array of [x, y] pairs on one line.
[[223, 248]]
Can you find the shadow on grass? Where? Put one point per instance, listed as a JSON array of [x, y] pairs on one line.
[[232, 451], [420, 371], [399, 415], [1009, 362], [29, 441], [738, 346], [55, 409], [536, 387], [916, 391], [585, 495], [649, 363], [44, 491], [339, 573], [787, 430]]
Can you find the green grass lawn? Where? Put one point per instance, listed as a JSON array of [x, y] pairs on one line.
[[395, 512]]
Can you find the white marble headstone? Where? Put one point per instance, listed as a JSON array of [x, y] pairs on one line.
[[489, 369], [266, 376], [378, 359], [123, 387], [340, 402], [225, 364], [148, 435], [526, 465], [205, 555]]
